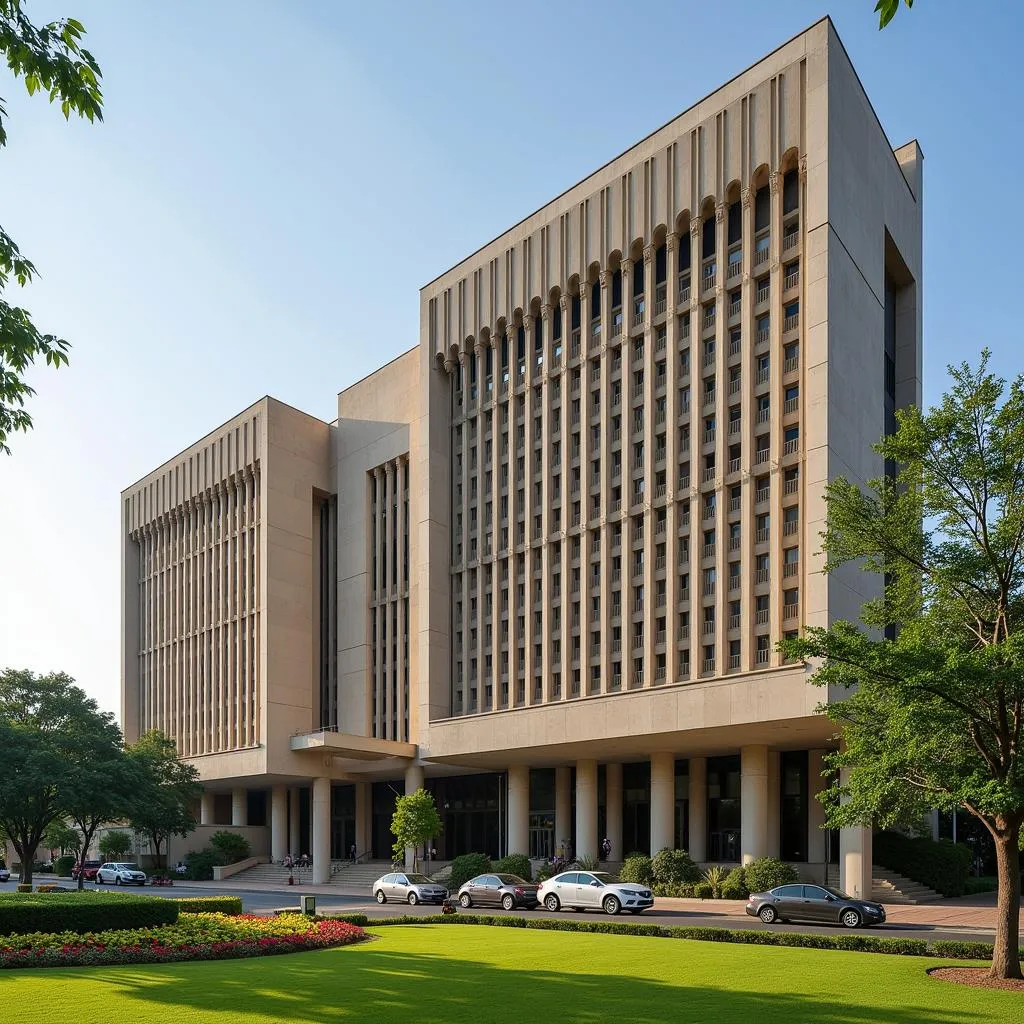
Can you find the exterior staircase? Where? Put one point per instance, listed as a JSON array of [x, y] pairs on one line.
[[360, 876], [888, 887]]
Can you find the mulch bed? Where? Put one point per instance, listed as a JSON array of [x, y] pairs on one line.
[[976, 976]]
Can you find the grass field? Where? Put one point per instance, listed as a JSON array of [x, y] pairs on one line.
[[482, 975]]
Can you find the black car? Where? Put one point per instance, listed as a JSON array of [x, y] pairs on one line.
[[820, 904]]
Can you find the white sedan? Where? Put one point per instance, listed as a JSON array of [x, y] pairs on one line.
[[116, 873], [594, 890]]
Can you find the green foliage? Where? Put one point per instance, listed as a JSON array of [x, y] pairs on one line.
[[24, 887], [941, 865], [515, 864], [199, 864], [669, 866], [886, 10], [81, 912], [414, 822], [231, 905], [637, 868], [50, 59], [704, 891], [468, 866], [58, 836], [586, 862], [933, 716], [167, 789], [715, 876], [735, 885], [64, 864], [674, 890], [115, 845], [767, 872], [230, 847]]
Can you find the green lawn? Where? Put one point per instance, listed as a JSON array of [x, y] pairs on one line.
[[481, 975]]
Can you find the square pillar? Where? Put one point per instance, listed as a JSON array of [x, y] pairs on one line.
[[363, 792], [698, 809], [278, 823], [563, 796], [753, 803], [206, 805], [663, 801], [774, 803], [239, 808], [294, 836], [321, 806], [586, 809], [855, 852], [817, 851], [413, 781], [613, 809], [518, 809]]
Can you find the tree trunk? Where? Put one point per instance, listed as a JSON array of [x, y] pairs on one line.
[[1006, 953], [87, 835], [27, 855]]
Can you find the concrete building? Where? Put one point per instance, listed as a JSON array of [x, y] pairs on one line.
[[541, 560]]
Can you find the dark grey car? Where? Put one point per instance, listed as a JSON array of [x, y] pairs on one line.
[[819, 904], [508, 891]]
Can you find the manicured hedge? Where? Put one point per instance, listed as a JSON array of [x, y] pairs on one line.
[[468, 866], [768, 872], [939, 864], [515, 864], [210, 904], [638, 869], [672, 867], [80, 912], [844, 941]]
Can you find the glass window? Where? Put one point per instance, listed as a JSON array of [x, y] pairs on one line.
[[789, 892]]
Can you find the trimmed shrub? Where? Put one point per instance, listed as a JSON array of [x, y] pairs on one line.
[[939, 864], [199, 865], [231, 905], [81, 912], [767, 872], [959, 949], [515, 864], [230, 846], [704, 891], [735, 885], [636, 868], [468, 866], [672, 866], [24, 887], [674, 890], [63, 865], [51, 887]]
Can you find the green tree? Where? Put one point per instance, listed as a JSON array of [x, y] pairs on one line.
[[886, 10], [115, 844], [48, 58], [167, 789], [60, 836], [414, 822], [46, 722], [936, 667]]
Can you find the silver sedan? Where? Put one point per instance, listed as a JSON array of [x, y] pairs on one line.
[[408, 888]]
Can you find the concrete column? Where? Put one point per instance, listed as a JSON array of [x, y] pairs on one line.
[[239, 808], [413, 781], [774, 803], [563, 793], [278, 823], [363, 797], [518, 809], [933, 822], [294, 835], [855, 852], [698, 808], [663, 801], [613, 809], [753, 802], [206, 804], [586, 809], [321, 831], [816, 838]]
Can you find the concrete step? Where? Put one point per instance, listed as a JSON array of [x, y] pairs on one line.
[[889, 887]]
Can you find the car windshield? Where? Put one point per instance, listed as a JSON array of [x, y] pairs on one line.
[[128, 867], [418, 880], [511, 880], [605, 877], [838, 893]]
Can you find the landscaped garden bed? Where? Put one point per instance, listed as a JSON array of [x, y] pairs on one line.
[[191, 937]]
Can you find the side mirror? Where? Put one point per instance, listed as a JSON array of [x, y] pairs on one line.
[[596, 884]]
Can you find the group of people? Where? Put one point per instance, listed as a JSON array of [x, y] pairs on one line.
[[300, 862]]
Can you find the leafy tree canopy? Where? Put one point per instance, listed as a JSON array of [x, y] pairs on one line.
[[414, 822]]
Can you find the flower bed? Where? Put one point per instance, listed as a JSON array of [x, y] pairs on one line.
[[193, 937]]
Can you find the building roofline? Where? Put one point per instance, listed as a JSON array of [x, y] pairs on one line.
[[639, 142], [383, 366]]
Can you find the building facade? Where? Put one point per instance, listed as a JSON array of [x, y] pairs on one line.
[[540, 562]]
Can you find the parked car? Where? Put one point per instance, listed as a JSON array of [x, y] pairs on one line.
[[508, 891], [5, 875], [818, 903], [117, 873], [87, 870], [408, 887], [594, 890]]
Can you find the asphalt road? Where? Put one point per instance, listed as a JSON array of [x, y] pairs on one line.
[[262, 902]]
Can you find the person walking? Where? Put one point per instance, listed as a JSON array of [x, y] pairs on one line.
[[606, 849], [352, 854]]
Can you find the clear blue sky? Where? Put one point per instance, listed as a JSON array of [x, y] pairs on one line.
[[230, 231]]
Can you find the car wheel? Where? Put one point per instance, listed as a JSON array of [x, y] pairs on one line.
[[464, 901], [850, 918], [611, 905], [508, 902], [117, 879], [551, 902], [767, 914], [380, 897], [98, 880], [412, 898]]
